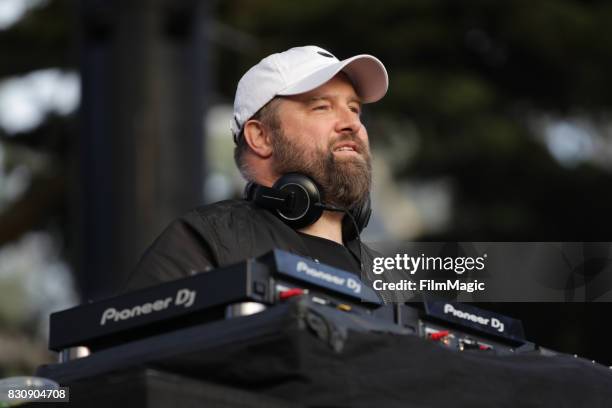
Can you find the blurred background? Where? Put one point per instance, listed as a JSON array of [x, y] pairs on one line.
[[114, 119]]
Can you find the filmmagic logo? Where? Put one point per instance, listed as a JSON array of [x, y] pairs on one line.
[[184, 297], [349, 283], [493, 322]]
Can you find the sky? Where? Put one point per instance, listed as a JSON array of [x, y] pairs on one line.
[[12, 11]]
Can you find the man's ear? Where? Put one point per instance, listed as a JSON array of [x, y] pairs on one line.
[[257, 136]]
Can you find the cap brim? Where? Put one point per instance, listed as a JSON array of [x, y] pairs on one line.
[[366, 72]]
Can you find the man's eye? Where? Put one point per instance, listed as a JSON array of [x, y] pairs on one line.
[[356, 110], [321, 107]]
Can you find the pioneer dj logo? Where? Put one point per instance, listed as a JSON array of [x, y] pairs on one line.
[[492, 322], [349, 283], [183, 297]]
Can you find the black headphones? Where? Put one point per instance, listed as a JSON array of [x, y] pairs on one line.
[[297, 201]]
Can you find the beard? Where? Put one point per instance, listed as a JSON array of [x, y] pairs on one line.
[[344, 182]]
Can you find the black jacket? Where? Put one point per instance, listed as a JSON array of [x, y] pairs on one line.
[[218, 235]]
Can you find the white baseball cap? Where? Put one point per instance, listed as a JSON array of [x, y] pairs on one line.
[[299, 70]]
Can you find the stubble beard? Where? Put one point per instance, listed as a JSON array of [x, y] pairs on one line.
[[344, 182]]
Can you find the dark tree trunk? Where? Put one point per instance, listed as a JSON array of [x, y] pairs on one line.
[[141, 154]]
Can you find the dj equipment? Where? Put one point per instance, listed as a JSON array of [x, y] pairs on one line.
[[464, 327], [297, 200], [207, 297], [317, 328], [260, 283]]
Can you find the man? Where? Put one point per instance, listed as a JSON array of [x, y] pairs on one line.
[[294, 112]]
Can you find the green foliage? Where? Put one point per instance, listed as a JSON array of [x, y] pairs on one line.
[[471, 77]]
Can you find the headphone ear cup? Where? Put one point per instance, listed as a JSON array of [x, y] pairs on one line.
[[361, 214], [249, 191], [305, 208], [364, 213]]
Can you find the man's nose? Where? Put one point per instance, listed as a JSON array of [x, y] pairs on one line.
[[348, 121]]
